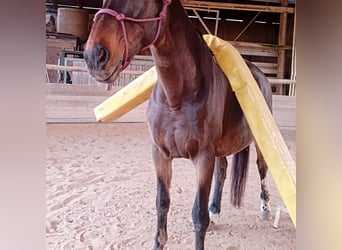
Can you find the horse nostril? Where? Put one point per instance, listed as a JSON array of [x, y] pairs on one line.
[[103, 56], [96, 57]]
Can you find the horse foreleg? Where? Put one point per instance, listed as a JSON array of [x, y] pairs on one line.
[[204, 164], [164, 172], [220, 174], [265, 210]]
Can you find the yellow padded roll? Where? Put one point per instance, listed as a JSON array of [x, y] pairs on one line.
[[127, 98], [259, 118]]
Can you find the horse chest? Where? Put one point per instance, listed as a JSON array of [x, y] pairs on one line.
[[175, 136]]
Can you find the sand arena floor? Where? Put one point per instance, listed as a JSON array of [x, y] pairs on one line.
[[100, 194]]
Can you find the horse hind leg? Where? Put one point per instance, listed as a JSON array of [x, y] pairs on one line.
[[220, 173], [265, 210]]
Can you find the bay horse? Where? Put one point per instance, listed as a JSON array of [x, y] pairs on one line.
[[192, 112]]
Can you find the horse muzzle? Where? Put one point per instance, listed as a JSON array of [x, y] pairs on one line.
[[100, 67]]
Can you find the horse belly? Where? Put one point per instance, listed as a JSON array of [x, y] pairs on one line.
[[233, 141]]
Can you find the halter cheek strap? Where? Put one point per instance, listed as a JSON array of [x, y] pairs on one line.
[[121, 18]]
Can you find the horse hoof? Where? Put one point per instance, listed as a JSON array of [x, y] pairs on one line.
[[265, 215], [214, 218], [265, 211]]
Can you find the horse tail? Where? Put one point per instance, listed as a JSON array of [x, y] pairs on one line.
[[239, 176]]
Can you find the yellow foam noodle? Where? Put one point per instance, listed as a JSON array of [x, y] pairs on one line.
[[259, 118], [127, 98], [252, 102]]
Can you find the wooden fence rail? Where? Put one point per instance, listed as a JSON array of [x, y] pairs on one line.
[[82, 69], [275, 81]]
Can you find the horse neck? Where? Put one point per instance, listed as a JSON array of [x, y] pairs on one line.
[[176, 56]]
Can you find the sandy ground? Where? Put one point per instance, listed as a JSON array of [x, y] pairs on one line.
[[100, 194]]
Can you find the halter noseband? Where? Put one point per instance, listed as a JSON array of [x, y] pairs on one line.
[[121, 18]]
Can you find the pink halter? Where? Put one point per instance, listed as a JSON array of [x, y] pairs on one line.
[[121, 18]]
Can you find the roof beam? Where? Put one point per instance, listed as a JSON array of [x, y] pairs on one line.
[[233, 6]]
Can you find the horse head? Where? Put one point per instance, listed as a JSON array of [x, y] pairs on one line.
[[121, 29]]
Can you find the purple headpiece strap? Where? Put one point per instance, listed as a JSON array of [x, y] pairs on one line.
[[121, 18]]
